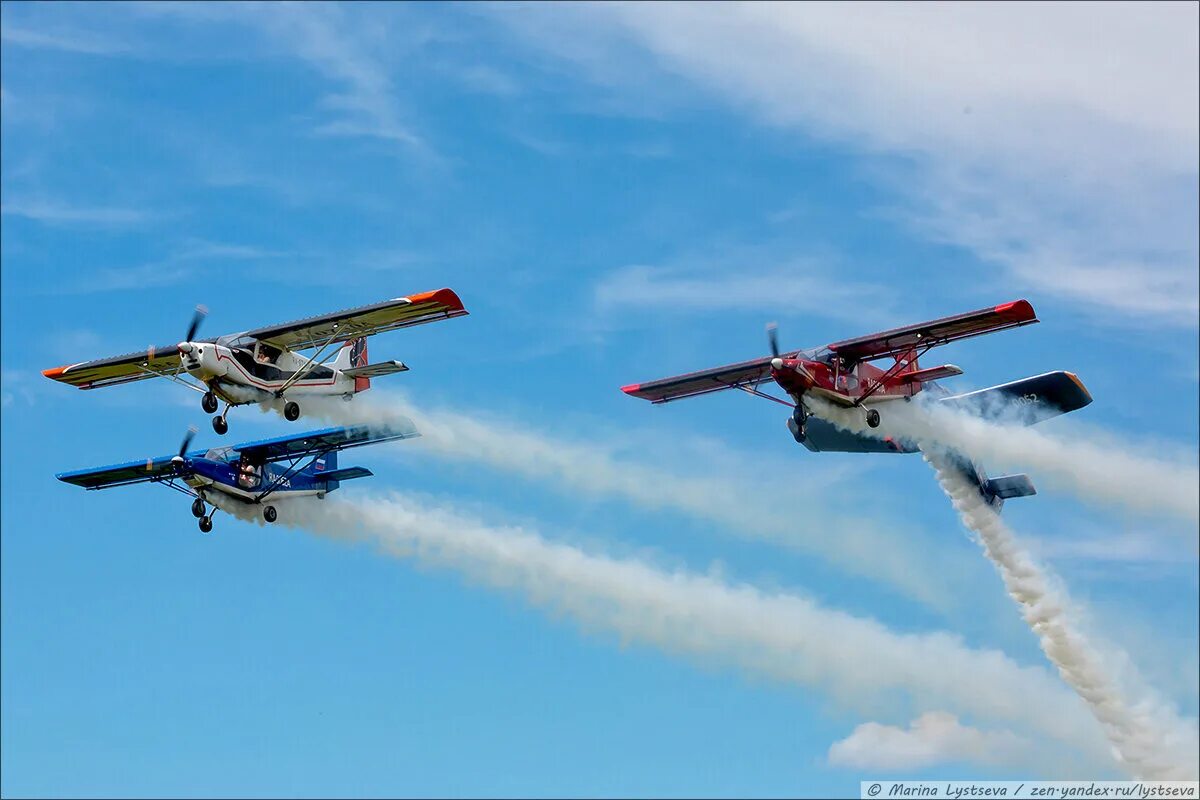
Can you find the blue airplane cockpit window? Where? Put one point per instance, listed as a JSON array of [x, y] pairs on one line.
[[218, 454], [249, 475]]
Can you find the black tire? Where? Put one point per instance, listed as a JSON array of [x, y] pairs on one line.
[[205, 524], [209, 403], [291, 411], [220, 425], [269, 514], [198, 508], [873, 418]]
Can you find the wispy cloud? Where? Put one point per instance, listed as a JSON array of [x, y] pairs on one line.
[[67, 41], [58, 213], [1064, 151], [745, 287], [934, 738]]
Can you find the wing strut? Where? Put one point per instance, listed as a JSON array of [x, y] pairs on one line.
[[308, 366]]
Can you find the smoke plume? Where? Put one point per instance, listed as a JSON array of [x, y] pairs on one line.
[[1147, 737]]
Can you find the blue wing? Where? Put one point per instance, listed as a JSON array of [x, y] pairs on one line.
[[151, 469]]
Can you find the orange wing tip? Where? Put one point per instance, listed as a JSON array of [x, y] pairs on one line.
[[1082, 388], [445, 297], [632, 388], [56, 373], [1020, 310]]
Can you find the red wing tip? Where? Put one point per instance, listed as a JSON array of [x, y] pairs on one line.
[[1021, 309], [632, 388], [445, 297]]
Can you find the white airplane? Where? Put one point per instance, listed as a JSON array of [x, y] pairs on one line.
[[266, 364]]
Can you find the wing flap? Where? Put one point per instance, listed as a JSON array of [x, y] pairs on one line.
[[341, 326], [313, 442], [693, 384], [936, 332]]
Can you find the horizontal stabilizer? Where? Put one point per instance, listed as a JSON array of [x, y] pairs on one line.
[[930, 374], [1007, 487], [349, 473], [376, 370], [1027, 401]]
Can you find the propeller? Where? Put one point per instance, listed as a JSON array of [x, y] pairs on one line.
[[773, 338], [197, 317], [183, 446]]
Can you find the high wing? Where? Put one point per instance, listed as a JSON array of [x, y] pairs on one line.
[[152, 363], [936, 332], [323, 441], [747, 373], [152, 469], [341, 326]]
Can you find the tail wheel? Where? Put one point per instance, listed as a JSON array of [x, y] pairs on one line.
[[269, 514], [220, 425], [209, 403], [198, 508], [291, 411], [205, 524], [873, 418]]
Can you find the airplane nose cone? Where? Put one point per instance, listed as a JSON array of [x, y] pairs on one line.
[[776, 363], [185, 347]]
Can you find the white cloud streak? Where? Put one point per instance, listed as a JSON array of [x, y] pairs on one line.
[[779, 635], [1149, 737], [859, 545], [1104, 473], [932, 739]]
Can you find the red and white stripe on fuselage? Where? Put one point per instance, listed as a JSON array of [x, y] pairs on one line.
[[217, 367]]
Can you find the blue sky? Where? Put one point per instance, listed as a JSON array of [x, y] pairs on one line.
[[617, 193]]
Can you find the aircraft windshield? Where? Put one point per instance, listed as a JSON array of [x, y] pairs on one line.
[[218, 453]]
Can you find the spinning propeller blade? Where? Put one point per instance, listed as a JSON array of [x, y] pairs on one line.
[[773, 338], [197, 318], [187, 440]]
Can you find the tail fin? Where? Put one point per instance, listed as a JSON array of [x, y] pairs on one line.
[[1029, 400], [354, 354]]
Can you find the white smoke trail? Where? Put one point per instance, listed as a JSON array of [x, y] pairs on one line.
[[783, 636], [1106, 474], [1148, 737], [799, 519]]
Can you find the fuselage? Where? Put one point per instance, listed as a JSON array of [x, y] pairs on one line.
[[243, 370], [221, 470]]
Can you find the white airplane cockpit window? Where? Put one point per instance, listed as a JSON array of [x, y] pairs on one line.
[[265, 353]]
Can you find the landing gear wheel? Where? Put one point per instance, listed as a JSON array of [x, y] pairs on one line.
[[205, 524], [198, 508], [291, 411], [873, 418], [209, 403], [269, 514], [797, 429], [220, 425]]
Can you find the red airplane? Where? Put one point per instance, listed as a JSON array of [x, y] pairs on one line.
[[842, 373]]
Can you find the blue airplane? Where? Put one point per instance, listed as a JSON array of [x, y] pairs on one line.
[[302, 465]]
